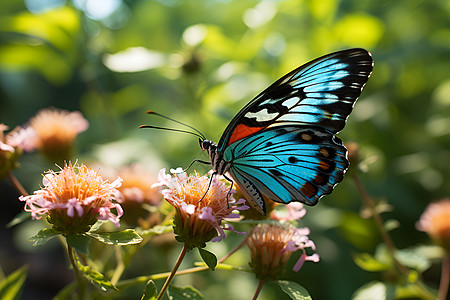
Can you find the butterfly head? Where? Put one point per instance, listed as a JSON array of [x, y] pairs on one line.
[[207, 145]]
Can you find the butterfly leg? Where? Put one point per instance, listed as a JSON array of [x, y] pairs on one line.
[[209, 185], [231, 187]]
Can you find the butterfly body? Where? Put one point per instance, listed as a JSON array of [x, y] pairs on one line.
[[282, 143]]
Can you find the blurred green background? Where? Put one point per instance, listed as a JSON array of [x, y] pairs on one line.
[[199, 62]]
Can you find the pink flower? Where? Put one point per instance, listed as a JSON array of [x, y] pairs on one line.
[[137, 186], [9, 151], [435, 221], [24, 138], [137, 198], [4, 146], [271, 246], [197, 222], [290, 212], [55, 132], [74, 198]]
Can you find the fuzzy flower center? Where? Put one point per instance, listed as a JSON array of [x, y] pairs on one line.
[[271, 246], [74, 198], [201, 204]]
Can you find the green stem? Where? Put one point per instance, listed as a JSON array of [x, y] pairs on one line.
[[172, 274], [79, 278], [143, 279], [445, 278], [258, 289], [120, 268], [19, 187]]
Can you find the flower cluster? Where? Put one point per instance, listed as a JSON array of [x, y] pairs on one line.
[[74, 198], [271, 246], [201, 204]]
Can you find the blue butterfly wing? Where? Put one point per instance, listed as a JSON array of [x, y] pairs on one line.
[[282, 143], [320, 93], [289, 163]]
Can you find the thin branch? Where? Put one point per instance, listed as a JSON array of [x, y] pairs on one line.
[[370, 204], [19, 187], [172, 274], [258, 289], [445, 278], [379, 222]]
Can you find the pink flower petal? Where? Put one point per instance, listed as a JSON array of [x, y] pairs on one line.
[[206, 213], [117, 183], [6, 147], [299, 263]]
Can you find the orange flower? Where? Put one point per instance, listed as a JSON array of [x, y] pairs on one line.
[[55, 131], [74, 198], [435, 221], [271, 246], [137, 195], [136, 186], [198, 218]]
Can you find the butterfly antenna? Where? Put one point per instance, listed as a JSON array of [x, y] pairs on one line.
[[199, 134], [172, 129]]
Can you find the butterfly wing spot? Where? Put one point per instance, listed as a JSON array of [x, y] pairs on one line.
[[306, 137], [290, 102], [324, 166], [281, 131], [308, 190], [325, 152], [241, 131], [261, 116], [321, 179], [268, 144], [293, 159]]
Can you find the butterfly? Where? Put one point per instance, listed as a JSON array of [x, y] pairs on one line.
[[283, 143]]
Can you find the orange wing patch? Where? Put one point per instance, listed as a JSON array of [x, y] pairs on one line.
[[308, 190], [241, 131], [324, 166]]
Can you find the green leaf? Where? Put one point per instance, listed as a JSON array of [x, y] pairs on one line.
[[374, 290], [294, 290], [150, 291], [19, 218], [120, 238], [96, 278], [43, 236], [391, 224], [97, 225], [190, 293], [11, 287], [209, 258], [157, 230], [413, 259], [78, 241], [413, 291], [369, 263]]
